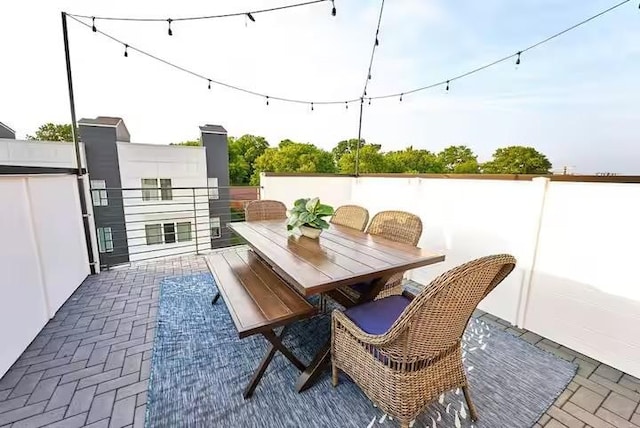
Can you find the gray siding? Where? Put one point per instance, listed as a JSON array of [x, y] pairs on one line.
[[7, 133], [214, 140], [102, 164]]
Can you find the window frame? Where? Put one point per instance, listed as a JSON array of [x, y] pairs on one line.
[[159, 236], [215, 223], [180, 233], [99, 193], [212, 188], [150, 192], [169, 233], [104, 245], [166, 192]]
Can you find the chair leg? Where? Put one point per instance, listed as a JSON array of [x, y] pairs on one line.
[[334, 374], [473, 413], [215, 299]]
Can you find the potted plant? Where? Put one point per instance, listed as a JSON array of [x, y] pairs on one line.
[[307, 216]]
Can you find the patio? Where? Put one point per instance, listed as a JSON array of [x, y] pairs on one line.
[[90, 365]]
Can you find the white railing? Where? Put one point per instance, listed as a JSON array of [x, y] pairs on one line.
[[575, 242]]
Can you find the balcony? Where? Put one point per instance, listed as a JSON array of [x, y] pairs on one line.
[[572, 295]]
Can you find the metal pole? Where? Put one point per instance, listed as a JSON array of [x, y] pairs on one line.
[[357, 169], [76, 145], [195, 216]]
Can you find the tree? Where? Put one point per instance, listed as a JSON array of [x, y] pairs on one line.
[[243, 153], [290, 156], [53, 132], [517, 160], [192, 143], [413, 161], [459, 160], [370, 160], [349, 146]]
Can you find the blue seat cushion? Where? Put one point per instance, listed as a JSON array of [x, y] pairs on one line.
[[378, 316]]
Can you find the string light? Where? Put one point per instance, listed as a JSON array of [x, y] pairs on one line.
[[169, 30], [401, 97], [251, 17], [195, 18], [209, 86], [311, 106], [346, 105], [373, 53], [333, 8], [267, 99], [92, 19]]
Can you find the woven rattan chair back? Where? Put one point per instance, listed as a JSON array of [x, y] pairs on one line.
[[435, 320], [265, 210], [420, 356], [352, 216], [398, 226]]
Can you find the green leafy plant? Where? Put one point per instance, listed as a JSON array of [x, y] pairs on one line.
[[309, 212]]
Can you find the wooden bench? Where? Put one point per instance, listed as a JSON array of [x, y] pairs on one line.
[[259, 301]]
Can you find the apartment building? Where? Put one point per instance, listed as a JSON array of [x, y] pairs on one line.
[[153, 200]]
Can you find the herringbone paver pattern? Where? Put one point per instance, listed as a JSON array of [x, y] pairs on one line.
[[599, 396], [90, 365]]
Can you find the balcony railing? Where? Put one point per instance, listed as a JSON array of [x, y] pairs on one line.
[[135, 224]]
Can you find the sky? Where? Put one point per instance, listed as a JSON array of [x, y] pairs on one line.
[[575, 98]]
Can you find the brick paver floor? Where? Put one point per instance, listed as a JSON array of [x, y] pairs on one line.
[[90, 365]]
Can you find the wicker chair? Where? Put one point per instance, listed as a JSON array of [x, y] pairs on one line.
[[398, 226], [352, 216], [265, 210], [405, 352]]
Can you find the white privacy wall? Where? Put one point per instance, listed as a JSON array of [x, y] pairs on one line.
[[585, 291], [43, 256], [575, 243], [332, 190]]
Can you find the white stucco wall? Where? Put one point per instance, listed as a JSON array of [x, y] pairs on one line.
[[43, 257], [52, 154], [334, 190], [575, 281], [186, 167]]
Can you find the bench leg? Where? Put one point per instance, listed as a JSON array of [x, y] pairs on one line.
[[275, 345], [215, 299], [319, 364]]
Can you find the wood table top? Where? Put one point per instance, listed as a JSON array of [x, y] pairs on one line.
[[340, 257]]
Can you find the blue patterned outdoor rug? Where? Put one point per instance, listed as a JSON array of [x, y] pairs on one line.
[[200, 368]]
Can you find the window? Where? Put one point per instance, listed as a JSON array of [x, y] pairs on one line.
[[184, 231], [169, 233], [153, 233], [99, 193], [215, 227], [105, 240], [212, 184], [165, 189], [149, 189]]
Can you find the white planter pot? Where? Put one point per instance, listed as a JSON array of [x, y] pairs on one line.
[[310, 232]]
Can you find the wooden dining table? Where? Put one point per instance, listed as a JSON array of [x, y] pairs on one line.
[[340, 257]]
